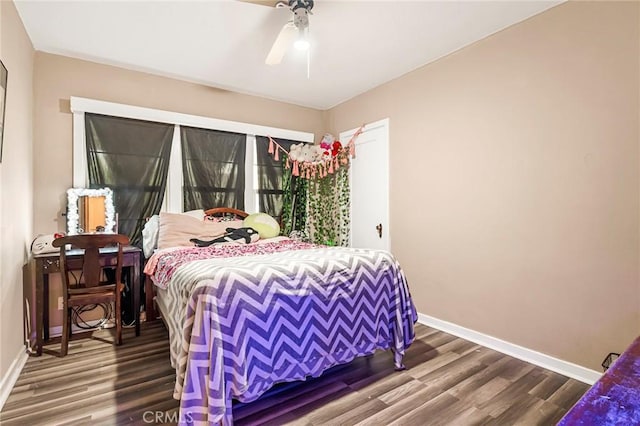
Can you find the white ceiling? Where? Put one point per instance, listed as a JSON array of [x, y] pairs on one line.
[[357, 45]]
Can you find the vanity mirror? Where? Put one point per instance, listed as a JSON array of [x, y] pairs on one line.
[[90, 210]]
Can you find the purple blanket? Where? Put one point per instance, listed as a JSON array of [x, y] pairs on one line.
[[615, 398], [251, 322]]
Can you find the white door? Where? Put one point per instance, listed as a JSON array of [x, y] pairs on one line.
[[369, 179]]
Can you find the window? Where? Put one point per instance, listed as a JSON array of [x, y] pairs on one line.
[[213, 164], [132, 158], [268, 182], [183, 190]]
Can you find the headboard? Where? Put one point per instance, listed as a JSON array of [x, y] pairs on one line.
[[226, 211]]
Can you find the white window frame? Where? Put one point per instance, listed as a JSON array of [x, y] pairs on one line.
[[173, 194]]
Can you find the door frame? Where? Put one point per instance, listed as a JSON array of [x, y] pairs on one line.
[[344, 138]]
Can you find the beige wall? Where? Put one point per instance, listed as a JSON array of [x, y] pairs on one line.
[[16, 182], [57, 78], [514, 181]]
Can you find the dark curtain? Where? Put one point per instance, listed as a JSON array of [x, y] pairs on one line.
[[132, 158], [213, 168], [270, 176]]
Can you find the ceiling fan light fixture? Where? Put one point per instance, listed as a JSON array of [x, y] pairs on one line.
[[302, 43], [299, 24]]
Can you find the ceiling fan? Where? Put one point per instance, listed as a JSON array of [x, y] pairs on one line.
[[296, 28]]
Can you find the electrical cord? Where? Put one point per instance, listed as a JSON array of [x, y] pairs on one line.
[[107, 310]]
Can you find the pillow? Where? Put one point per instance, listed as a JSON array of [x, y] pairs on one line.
[[150, 235], [198, 214], [152, 227], [177, 229], [266, 226]]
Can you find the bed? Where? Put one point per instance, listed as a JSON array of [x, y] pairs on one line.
[[243, 317]]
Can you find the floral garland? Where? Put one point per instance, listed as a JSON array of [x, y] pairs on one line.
[[316, 161], [319, 205]]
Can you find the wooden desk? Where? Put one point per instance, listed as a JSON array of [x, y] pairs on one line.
[[49, 263]]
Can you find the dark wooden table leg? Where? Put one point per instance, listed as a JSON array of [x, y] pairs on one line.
[[39, 307], [136, 292], [45, 305]]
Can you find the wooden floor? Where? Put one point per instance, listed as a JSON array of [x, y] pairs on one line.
[[448, 381]]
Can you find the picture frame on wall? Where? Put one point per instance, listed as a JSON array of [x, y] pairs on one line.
[[3, 103]]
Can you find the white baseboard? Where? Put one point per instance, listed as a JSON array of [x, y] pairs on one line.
[[565, 368], [11, 376]]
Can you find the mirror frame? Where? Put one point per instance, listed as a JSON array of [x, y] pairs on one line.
[[73, 216]]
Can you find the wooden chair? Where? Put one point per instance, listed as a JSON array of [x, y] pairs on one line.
[[93, 289]]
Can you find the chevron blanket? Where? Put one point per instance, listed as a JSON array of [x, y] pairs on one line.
[[252, 321]]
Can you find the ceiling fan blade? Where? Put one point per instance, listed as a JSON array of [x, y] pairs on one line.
[[282, 44]]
